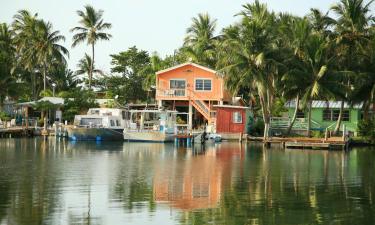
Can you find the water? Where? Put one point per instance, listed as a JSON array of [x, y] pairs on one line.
[[60, 182]]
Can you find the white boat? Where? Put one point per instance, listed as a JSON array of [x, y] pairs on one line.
[[98, 124], [150, 126]]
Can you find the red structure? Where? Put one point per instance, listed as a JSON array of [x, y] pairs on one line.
[[231, 119]]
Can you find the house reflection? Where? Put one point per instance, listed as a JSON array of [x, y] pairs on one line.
[[197, 181]]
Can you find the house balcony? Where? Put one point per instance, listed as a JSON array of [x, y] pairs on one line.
[[186, 94], [171, 93]]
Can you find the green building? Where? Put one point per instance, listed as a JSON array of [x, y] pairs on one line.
[[324, 115]]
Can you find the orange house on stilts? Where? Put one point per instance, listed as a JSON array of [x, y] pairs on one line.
[[193, 89]]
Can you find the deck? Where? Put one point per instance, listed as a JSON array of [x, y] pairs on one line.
[[306, 143], [17, 132]]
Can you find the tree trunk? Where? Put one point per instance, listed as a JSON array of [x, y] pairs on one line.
[[266, 119], [33, 85], [365, 109], [44, 79], [338, 124], [92, 65], [309, 120], [294, 116]]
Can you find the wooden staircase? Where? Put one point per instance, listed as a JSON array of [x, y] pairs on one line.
[[203, 108]]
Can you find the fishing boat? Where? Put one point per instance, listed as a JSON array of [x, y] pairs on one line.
[[99, 124], [150, 126]]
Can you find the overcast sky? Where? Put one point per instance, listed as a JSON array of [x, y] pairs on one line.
[[152, 25]]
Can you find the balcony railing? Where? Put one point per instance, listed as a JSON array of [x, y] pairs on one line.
[[172, 93]]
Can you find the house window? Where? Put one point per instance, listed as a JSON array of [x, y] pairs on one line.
[[112, 123], [327, 115], [117, 123], [237, 117], [333, 115], [177, 84], [203, 85], [346, 115], [300, 114]]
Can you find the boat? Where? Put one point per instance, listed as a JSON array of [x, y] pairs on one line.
[[150, 126], [99, 124]]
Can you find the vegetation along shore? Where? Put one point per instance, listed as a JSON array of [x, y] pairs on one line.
[[269, 59]]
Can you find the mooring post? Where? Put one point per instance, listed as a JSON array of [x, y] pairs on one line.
[[326, 135], [343, 132]]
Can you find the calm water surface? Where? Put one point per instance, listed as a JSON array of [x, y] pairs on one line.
[[61, 182]]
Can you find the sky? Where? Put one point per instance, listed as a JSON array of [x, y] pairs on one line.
[[152, 25]]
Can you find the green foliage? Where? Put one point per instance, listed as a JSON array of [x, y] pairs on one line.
[[4, 116], [366, 128], [46, 93], [129, 86], [317, 134], [78, 102], [279, 107], [92, 30], [257, 128], [45, 105]]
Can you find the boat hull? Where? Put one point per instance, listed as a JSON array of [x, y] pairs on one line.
[[148, 137], [95, 134]]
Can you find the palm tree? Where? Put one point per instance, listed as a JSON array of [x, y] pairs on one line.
[[352, 26], [47, 49], [315, 70], [320, 21], [24, 27], [91, 31], [7, 81], [85, 66], [199, 43], [248, 56], [295, 32]]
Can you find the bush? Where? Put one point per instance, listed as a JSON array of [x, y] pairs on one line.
[[4, 116], [78, 102], [366, 128], [317, 134], [256, 128]]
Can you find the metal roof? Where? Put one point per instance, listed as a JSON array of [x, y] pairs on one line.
[[58, 101], [326, 104]]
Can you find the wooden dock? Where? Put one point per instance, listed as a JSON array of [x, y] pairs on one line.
[[332, 143], [17, 132]]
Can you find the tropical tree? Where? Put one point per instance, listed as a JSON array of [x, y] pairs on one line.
[[24, 27], [248, 56], [85, 66], [130, 67], [352, 24], [316, 70], [295, 32], [47, 48], [91, 30], [7, 56], [200, 41]]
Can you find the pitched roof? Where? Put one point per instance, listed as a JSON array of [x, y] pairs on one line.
[[325, 104], [186, 64]]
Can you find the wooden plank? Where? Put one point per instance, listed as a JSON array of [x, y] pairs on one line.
[[307, 145]]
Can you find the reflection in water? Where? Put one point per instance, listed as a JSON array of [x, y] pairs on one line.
[[61, 182]]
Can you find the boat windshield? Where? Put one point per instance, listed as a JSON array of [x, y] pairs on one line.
[[91, 122]]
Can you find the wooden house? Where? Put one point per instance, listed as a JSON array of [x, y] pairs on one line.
[[193, 89]]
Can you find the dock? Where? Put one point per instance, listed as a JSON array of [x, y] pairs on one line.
[[17, 132], [332, 143]]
